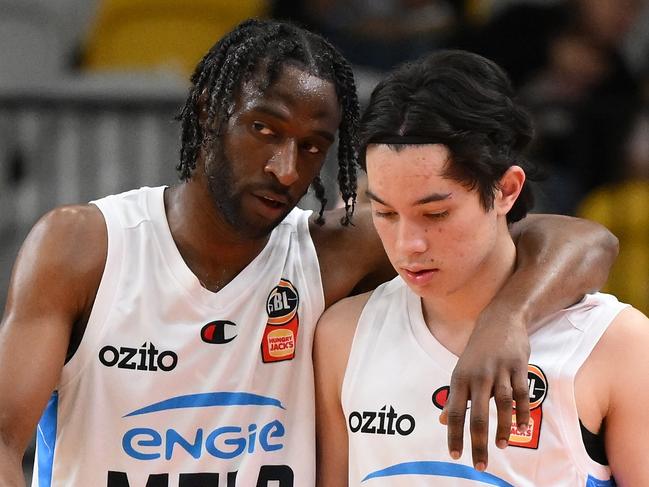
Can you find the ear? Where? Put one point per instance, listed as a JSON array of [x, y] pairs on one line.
[[509, 187]]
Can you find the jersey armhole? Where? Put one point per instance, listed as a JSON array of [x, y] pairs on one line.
[[105, 297]]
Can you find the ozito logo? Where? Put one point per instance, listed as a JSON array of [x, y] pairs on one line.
[[382, 422], [218, 332], [147, 357], [280, 335]]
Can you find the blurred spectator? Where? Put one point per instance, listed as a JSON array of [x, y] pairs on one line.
[[565, 59], [380, 34], [623, 207]]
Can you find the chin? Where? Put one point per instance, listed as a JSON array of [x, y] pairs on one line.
[[254, 230]]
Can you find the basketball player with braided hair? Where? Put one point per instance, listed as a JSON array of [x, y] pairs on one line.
[[163, 335]]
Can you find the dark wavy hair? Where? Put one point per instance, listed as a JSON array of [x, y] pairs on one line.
[[463, 101], [269, 45]]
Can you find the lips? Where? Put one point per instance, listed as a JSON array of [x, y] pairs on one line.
[[273, 199], [270, 205], [419, 275]]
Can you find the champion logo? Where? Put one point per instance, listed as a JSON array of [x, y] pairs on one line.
[[219, 332]]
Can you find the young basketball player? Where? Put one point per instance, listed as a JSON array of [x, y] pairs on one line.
[[442, 139]]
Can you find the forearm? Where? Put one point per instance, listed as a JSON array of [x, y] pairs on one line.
[[11, 473], [559, 259]]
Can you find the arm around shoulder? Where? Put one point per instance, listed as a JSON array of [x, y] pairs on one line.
[[332, 346], [559, 259], [352, 259], [53, 285]]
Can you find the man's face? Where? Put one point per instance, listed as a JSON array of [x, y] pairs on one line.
[[273, 146], [435, 231]]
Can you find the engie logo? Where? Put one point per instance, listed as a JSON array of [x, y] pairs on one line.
[[147, 357], [383, 422], [280, 335], [159, 447], [215, 332], [224, 442]]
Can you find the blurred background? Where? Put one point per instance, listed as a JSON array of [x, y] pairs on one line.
[[89, 89]]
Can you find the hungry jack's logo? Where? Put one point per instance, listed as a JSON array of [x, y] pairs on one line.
[[280, 336]]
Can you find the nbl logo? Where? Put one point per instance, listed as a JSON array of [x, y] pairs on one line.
[[280, 335], [282, 302]]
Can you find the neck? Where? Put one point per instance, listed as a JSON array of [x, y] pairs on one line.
[[452, 317], [210, 247]]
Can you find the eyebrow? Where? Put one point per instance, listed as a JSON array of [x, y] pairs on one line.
[[281, 116], [428, 199]]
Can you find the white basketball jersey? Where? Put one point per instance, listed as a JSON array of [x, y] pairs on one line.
[[176, 386], [397, 382]]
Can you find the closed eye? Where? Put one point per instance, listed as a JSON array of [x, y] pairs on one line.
[[437, 216], [384, 214]]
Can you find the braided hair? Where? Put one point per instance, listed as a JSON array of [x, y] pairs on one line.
[[270, 45]]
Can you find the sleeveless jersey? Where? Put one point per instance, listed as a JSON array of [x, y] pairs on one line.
[[397, 381], [176, 386]]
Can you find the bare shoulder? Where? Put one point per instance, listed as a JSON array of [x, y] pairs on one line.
[[623, 344], [627, 337], [612, 369], [351, 256], [64, 255], [333, 341], [341, 318], [70, 236]]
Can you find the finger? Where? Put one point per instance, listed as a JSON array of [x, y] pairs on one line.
[[443, 417], [455, 412], [480, 395], [521, 396], [503, 398]]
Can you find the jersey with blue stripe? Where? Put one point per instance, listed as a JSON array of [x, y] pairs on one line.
[[176, 386], [397, 381]]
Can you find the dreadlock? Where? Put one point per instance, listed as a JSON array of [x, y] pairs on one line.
[[270, 44]]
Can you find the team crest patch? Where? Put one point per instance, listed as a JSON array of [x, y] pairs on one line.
[[538, 390], [280, 335]]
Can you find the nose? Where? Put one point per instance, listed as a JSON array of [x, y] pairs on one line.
[[411, 238], [283, 163]]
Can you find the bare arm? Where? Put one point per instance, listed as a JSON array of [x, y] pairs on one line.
[[624, 361], [559, 259], [50, 289], [333, 339], [352, 259]]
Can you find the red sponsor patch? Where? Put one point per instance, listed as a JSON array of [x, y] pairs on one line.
[[529, 439], [280, 335]]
